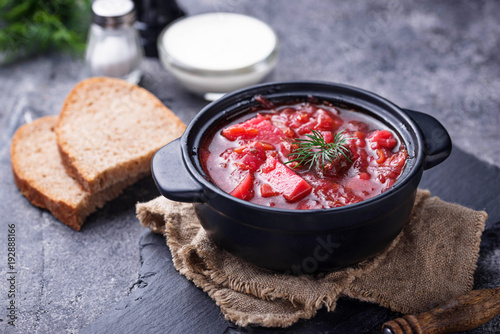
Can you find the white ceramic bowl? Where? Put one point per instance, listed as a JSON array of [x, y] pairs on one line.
[[216, 53]]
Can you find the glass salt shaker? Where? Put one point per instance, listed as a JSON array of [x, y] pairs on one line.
[[113, 48]]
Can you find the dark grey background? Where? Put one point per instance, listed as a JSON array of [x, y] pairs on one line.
[[439, 57]]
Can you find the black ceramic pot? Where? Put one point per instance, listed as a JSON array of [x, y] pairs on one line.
[[291, 240]]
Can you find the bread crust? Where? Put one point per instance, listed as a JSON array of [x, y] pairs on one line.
[[60, 210], [94, 178], [63, 211], [49, 171], [35, 142]]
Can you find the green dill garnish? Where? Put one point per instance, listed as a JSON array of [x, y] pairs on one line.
[[31, 27], [314, 150]]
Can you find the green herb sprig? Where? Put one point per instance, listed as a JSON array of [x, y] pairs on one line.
[[314, 150], [31, 27]]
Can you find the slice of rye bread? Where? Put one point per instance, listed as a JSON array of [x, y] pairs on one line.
[[42, 178], [109, 130]]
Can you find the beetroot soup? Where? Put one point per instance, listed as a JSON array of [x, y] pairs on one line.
[[303, 156]]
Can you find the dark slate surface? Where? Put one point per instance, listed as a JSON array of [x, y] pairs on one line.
[[439, 57], [162, 301]]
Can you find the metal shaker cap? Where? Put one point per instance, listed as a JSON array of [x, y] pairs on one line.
[[113, 13]]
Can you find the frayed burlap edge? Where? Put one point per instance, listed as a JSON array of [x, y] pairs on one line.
[[161, 216], [157, 215], [222, 288], [373, 296]]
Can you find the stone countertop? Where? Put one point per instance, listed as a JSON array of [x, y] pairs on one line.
[[438, 57]]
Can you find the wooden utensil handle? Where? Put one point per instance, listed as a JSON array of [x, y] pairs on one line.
[[467, 311]]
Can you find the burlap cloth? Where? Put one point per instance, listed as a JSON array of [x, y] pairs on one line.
[[431, 261]]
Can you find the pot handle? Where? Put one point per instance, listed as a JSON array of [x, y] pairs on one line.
[[437, 141], [171, 176]]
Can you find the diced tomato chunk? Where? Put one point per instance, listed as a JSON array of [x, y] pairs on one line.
[[244, 190], [285, 181]]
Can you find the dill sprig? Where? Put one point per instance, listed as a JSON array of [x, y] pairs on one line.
[[30, 27], [314, 150]]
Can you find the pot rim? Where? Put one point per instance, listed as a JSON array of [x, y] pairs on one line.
[[416, 166]]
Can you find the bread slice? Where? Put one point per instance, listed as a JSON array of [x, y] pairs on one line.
[[42, 178], [109, 129]]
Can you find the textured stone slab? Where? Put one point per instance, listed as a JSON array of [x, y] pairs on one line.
[[166, 302], [439, 57]]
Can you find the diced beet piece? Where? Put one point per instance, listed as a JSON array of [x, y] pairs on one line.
[[287, 112], [324, 122], [327, 136], [364, 176], [304, 129], [267, 191], [285, 181], [250, 162], [382, 139], [287, 147], [281, 122], [269, 165], [253, 122], [337, 167], [244, 190], [300, 118], [399, 159], [358, 139], [259, 145], [327, 121], [250, 156], [257, 128], [359, 135]]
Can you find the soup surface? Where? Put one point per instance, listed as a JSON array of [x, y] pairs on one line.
[[266, 156]]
